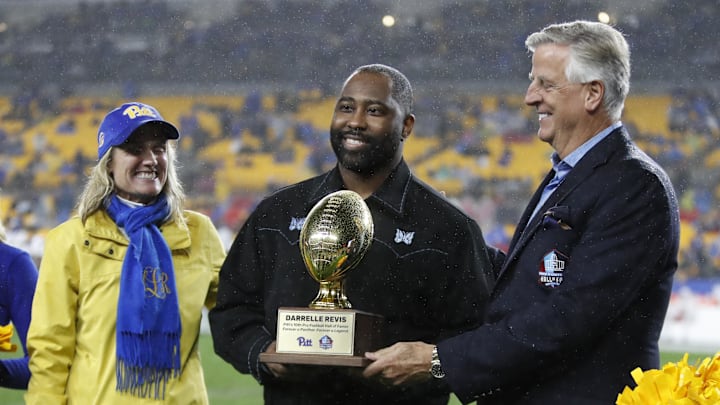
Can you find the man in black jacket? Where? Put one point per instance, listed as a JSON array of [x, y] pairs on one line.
[[428, 271]]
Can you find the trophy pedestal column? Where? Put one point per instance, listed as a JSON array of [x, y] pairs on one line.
[[331, 337]]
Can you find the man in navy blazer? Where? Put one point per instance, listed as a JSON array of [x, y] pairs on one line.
[[581, 297]]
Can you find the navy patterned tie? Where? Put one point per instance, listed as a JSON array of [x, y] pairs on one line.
[[561, 170]]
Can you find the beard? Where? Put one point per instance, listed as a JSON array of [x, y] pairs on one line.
[[379, 152]]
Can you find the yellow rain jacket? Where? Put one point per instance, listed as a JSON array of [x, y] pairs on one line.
[[71, 340]]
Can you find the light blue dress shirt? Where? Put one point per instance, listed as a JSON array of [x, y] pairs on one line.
[[563, 167]]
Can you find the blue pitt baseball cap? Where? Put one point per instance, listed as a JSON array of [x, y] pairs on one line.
[[120, 123]]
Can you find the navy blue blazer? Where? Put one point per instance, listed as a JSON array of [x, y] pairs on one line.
[[581, 297]]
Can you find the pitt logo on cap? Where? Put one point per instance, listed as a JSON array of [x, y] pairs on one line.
[[135, 111]]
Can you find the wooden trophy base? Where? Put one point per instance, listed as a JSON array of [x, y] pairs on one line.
[[325, 337], [315, 359]]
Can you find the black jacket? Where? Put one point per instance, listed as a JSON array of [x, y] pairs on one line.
[[427, 272]]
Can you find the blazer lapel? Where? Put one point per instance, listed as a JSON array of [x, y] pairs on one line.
[[523, 225], [596, 157]]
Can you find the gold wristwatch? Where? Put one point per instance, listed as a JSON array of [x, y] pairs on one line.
[[435, 366]]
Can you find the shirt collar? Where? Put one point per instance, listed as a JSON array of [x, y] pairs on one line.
[[391, 193], [574, 157], [129, 203]]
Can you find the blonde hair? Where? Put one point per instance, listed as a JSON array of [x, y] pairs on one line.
[[100, 186], [3, 234]]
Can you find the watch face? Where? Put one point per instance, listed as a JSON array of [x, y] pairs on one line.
[[437, 371]]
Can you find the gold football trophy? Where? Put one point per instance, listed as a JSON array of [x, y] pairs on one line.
[[337, 233], [334, 238]]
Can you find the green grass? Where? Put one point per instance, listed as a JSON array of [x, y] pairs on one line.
[[226, 386]]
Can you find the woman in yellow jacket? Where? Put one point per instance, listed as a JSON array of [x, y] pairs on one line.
[[116, 315]]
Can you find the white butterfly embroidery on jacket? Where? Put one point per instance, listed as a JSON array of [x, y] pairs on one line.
[[403, 237], [296, 223]]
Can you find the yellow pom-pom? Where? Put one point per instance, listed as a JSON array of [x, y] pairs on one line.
[[6, 333], [676, 384]]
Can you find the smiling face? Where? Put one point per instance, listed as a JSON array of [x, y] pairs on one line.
[[560, 104], [139, 165], [368, 125]]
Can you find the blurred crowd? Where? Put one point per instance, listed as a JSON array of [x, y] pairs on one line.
[[311, 41], [689, 150]]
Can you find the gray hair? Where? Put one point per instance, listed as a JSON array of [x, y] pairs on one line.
[[100, 186], [400, 88], [597, 52]]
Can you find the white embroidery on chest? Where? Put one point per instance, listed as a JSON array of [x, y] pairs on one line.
[[296, 223], [403, 236]]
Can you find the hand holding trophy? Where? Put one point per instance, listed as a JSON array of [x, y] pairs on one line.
[[337, 233]]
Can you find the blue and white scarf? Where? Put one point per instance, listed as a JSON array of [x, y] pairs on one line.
[[148, 317]]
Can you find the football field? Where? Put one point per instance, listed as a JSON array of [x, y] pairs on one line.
[[228, 387]]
